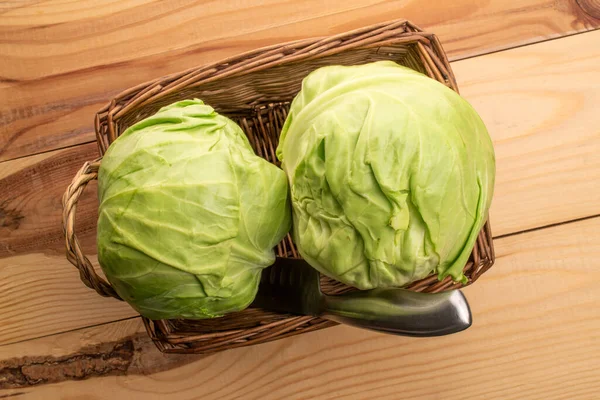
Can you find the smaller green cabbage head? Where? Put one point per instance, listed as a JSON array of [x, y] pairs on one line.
[[188, 214], [391, 175]]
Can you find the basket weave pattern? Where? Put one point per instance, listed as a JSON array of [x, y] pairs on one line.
[[255, 90]]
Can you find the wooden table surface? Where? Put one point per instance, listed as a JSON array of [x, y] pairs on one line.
[[530, 67]]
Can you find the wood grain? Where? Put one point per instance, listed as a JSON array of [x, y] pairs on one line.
[[540, 104], [24, 162], [41, 294], [535, 335], [591, 7], [30, 202], [61, 61]]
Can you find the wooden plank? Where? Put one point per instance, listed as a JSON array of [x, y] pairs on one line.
[[41, 294], [535, 335], [61, 61], [540, 104], [30, 202], [548, 166]]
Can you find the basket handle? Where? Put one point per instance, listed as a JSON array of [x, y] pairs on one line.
[[75, 255]]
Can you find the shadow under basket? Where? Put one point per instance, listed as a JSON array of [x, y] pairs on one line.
[[255, 90]]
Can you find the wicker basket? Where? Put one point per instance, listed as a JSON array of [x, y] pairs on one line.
[[255, 90]]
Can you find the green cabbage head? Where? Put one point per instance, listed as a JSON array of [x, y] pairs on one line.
[[188, 214], [391, 175]]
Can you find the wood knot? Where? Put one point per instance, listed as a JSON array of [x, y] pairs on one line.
[[590, 7], [9, 218]]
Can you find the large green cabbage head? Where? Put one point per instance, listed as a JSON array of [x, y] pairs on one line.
[[391, 175], [188, 214]]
